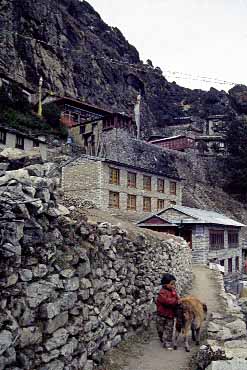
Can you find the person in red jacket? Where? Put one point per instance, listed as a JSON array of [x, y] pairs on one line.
[[166, 303]]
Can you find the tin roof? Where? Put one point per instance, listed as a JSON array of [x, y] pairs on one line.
[[168, 138], [164, 222], [201, 216]]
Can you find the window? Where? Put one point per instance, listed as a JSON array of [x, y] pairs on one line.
[[147, 183], [147, 204], [131, 180], [113, 199], [114, 176], [222, 263], [229, 264], [160, 185], [160, 204], [232, 238], [19, 142], [131, 202], [216, 239], [173, 187], [82, 129], [173, 202], [2, 137], [237, 264], [35, 144]]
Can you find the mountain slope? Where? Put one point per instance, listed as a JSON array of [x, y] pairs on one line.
[[77, 54]]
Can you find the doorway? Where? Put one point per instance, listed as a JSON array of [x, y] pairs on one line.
[[187, 235]]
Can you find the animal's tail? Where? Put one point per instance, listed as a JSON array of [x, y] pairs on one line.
[[205, 309]]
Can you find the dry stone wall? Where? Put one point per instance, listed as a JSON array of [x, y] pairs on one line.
[[71, 289], [226, 346]]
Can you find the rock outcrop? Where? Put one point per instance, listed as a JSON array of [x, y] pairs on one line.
[[72, 289], [77, 54], [226, 346]]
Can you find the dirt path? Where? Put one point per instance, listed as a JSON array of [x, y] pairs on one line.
[[150, 355]]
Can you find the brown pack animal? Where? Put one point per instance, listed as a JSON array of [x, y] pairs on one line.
[[191, 313]]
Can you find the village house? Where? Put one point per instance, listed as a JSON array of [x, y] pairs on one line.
[[211, 235], [128, 175], [87, 123], [178, 142], [12, 138], [119, 186]]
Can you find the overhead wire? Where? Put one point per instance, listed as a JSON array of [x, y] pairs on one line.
[[145, 68]]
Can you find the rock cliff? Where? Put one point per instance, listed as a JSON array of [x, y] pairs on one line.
[[77, 54]]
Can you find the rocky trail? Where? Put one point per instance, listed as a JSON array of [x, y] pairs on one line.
[[147, 353]]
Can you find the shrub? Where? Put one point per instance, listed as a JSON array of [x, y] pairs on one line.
[[52, 114]]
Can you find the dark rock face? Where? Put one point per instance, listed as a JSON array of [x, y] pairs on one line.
[[74, 57], [238, 95]]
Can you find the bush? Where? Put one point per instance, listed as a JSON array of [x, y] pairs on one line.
[[52, 114]]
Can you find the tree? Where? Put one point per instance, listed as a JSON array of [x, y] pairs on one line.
[[52, 114]]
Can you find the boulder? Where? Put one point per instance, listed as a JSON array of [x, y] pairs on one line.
[[17, 158], [235, 364]]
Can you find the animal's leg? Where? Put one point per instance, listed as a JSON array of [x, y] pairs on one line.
[[186, 343], [198, 335], [186, 337], [175, 339], [193, 332]]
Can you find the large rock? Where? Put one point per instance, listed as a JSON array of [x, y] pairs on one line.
[[38, 292], [235, 364], [30, 336], [5, 340], [17, 158], [58, 339]]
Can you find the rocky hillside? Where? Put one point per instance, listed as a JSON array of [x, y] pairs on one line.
[[68, 43]]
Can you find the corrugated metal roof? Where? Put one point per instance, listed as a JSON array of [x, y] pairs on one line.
[[166, 138], [201, 216], [143, 222]]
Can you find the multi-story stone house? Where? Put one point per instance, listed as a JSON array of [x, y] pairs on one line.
[[211, 235], [118, 186], [87, 123]]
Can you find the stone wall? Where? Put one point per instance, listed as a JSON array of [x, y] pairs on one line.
[[72, 289], [226, 346]]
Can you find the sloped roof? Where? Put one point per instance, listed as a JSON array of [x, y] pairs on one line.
[[163, 222], [201, 216]]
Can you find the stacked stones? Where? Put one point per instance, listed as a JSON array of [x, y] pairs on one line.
[[71, 289], [226, 347]]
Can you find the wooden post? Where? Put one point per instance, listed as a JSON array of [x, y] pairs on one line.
[[40, 97], [137, 115]]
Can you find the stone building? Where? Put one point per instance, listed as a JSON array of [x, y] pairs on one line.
[[211, 235], [119, 186], [127, 175], [178, 142], [12, 138], [87, 123]]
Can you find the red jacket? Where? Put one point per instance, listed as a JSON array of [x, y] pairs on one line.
[[166, 302]]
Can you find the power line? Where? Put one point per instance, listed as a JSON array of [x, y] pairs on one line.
[[146, 68]]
